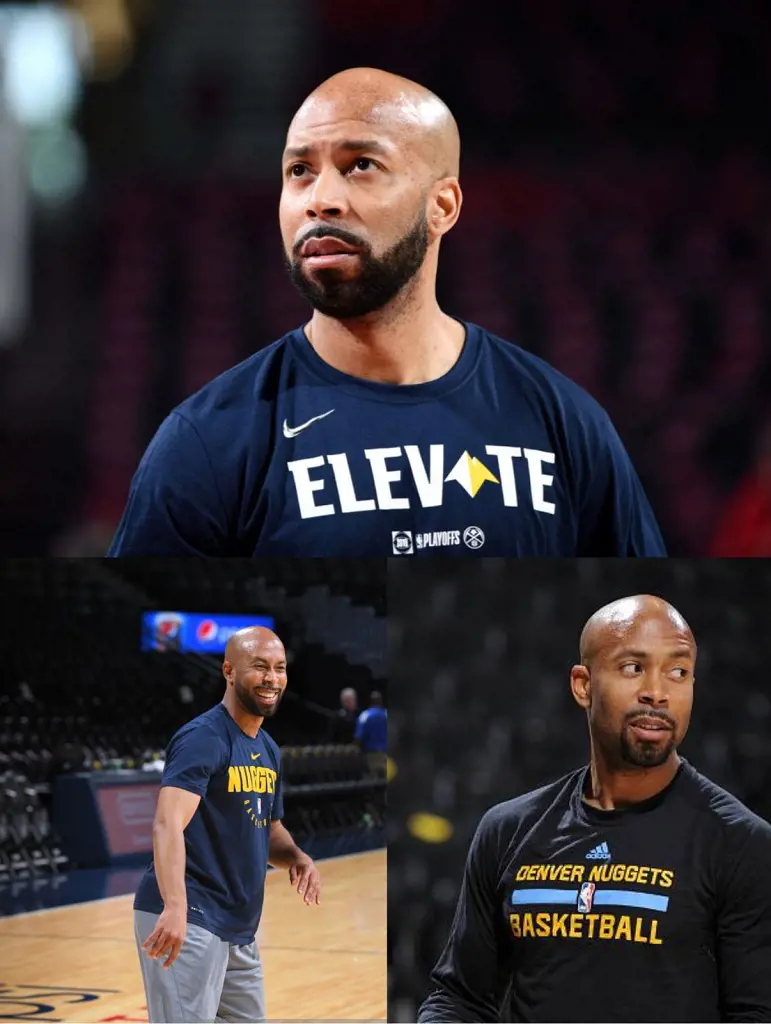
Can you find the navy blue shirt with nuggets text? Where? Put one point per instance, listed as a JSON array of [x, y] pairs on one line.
[[238, 779], [285, 455]]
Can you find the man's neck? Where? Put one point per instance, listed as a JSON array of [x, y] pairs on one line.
[[250, 724], [410, 346], [613, 789]]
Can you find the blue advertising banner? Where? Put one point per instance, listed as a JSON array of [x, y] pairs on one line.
[[201, 632]]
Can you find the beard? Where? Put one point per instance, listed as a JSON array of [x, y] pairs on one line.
[[252, 704], [645, 753], [379, 280]]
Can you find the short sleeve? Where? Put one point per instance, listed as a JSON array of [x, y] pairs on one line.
[[174, 505], [192, 757], [616, 518], [277, 812]]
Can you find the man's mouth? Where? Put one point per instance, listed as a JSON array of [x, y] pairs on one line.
[[650, 727], [268, 696], [328, 252]]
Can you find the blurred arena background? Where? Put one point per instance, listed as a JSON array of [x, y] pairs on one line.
[[480, 656], [85, 715], [615, 169]]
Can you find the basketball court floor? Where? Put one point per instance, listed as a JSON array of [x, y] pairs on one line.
[[327, 963]]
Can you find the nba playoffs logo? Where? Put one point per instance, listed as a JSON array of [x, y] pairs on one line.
[[586, 897], [402, 542], [207, 630]]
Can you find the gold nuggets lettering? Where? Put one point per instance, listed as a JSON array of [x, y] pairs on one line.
[[248, 778]]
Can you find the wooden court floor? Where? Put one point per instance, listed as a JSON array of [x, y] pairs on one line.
[[326, 963]]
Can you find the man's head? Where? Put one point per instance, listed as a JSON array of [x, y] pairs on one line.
[[635, 680], [370, 185], [255, 666], [376, 699], [349, 699]]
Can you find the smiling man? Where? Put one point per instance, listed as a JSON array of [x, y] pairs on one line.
[[198, 905], [384, 425], [634, 889]]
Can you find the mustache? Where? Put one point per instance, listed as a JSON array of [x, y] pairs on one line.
[[326, 231], [662, 716]]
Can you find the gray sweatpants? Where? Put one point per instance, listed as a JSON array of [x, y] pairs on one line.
[[211, 980]]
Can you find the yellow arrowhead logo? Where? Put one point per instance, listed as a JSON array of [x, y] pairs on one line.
[[470, 473], [254, 756]]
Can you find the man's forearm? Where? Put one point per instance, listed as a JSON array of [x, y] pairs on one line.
[[283, 851], [169, 860]]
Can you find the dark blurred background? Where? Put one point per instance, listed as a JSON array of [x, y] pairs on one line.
[[480, 655], [86, 714], [616, 222]]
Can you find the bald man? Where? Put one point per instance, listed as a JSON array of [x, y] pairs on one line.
[[217, 827], [633, 889], [383, 425]]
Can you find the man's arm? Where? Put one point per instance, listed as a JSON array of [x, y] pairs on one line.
[[191, 758], [283, 852], [744, 930], [172, 816], [471, 974], [174, 505]]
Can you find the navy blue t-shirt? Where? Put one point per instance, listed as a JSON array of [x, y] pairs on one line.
[[372, 729], [285, 455], [226, 842]]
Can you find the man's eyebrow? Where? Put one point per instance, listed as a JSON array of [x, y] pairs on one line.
[[348, 145]]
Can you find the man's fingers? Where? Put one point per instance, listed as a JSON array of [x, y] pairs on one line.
[[313, 892], [152, 938], [175, 948], [161, 942], [293, 874]]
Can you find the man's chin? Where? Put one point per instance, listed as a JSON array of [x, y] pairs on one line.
[[647, 755]]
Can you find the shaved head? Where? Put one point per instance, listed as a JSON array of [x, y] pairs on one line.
[[614, 621], [409, 112], [248, 641], [370, 170], [635, 682]]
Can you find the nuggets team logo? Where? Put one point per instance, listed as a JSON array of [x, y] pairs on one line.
[[401, 541], [251, 778], [473, 537]]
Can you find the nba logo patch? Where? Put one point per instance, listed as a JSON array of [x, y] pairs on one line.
[[402, 542], [585, 897]]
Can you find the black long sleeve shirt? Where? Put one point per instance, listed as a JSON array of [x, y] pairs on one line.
[[661, 912]]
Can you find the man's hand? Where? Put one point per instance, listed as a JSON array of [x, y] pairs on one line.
[[306, 875], [168, 936]]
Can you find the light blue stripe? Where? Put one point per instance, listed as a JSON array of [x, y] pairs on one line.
[[602, 898], [544, 896], [629, 898]]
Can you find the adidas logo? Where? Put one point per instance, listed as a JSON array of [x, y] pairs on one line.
[[601, 852]]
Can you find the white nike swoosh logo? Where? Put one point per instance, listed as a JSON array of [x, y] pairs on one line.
[[294, 431]]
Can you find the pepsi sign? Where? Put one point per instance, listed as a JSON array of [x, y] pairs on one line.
[[194, 631]]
